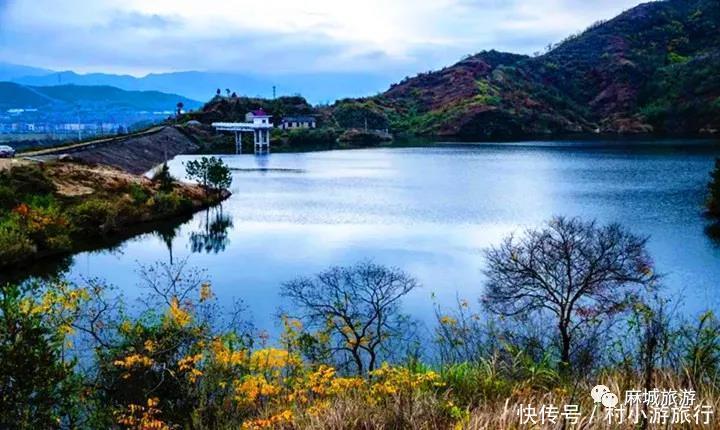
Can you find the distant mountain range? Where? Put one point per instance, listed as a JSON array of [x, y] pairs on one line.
[[70, 111], [316, 87], [8, 71], [653, 69], [101, 98]]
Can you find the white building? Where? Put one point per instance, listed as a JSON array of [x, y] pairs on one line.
[[304, 121], [258, 123]]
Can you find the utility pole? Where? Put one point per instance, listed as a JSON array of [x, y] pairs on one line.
[[274, 90]]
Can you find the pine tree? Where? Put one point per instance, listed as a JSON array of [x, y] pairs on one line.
[[164, 177]]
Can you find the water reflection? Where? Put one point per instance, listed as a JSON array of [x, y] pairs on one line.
[[43, 270], [428, 211], [167, 233], [87, 249], [213, 237], [713, 231]]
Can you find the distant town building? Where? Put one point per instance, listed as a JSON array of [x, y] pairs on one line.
[[290, 122]]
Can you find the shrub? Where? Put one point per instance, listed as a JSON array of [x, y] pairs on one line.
[[164, 178], [656, 111], [675, 58], [37, 384], [94, 215], [312, 137], [165, 203], [14, 244], [44, 224], [27, 179], [350, 114], [713, 203], [137, 193], [8, 198]]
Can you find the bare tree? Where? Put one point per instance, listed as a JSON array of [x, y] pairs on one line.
[[357, 306], [577, 272], [167, 282]]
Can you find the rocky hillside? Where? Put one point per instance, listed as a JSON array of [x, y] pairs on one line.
[[653, 69]]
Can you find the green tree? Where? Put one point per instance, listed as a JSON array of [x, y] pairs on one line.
[[164, 178], [38, 389], [209, 172], [713, 203]]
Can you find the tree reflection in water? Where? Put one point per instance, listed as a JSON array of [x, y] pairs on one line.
[[214, 236], [168, 233], [713, 231]]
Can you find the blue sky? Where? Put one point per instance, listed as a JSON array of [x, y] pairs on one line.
[[281, 36]]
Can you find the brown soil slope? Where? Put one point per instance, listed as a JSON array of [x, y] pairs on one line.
[[136, 154]]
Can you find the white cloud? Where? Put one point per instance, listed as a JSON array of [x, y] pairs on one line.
[[140, 36]]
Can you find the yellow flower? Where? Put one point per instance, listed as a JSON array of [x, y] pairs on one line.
[[188, 362], [320, 380], [448, 320], [142, 417], [252, 387], [389, 381], [205, 292], [270, 359], [224, 356], [134, 360], [343, 385], [177, 314], [284, 417], [125, 327]]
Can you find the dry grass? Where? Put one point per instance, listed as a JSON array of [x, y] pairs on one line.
[[423, 412], [77, 179], [6, 163], [432, 410]]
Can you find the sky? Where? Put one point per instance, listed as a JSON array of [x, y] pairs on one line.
[[282, 36]]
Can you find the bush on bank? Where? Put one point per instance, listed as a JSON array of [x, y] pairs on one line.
[[37, 219]]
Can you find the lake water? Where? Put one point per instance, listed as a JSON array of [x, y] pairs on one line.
[[430, 211]]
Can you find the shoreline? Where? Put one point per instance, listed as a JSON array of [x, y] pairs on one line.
[[113, 203]]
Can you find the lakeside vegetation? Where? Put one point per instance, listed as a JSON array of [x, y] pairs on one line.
[[348, 124], [46, 208], [713, 202], [79, 356]]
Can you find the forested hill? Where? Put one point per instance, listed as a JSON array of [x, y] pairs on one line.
[[653, 69]]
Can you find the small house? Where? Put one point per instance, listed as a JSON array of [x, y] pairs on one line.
[[259, 117], [291, 122]]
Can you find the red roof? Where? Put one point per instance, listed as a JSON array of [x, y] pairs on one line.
[[260, 112]]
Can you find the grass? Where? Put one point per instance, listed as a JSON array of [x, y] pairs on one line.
[[439, 410], [45, 209]]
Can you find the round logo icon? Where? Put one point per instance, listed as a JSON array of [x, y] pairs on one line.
[[597, 392], [609, 400]]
